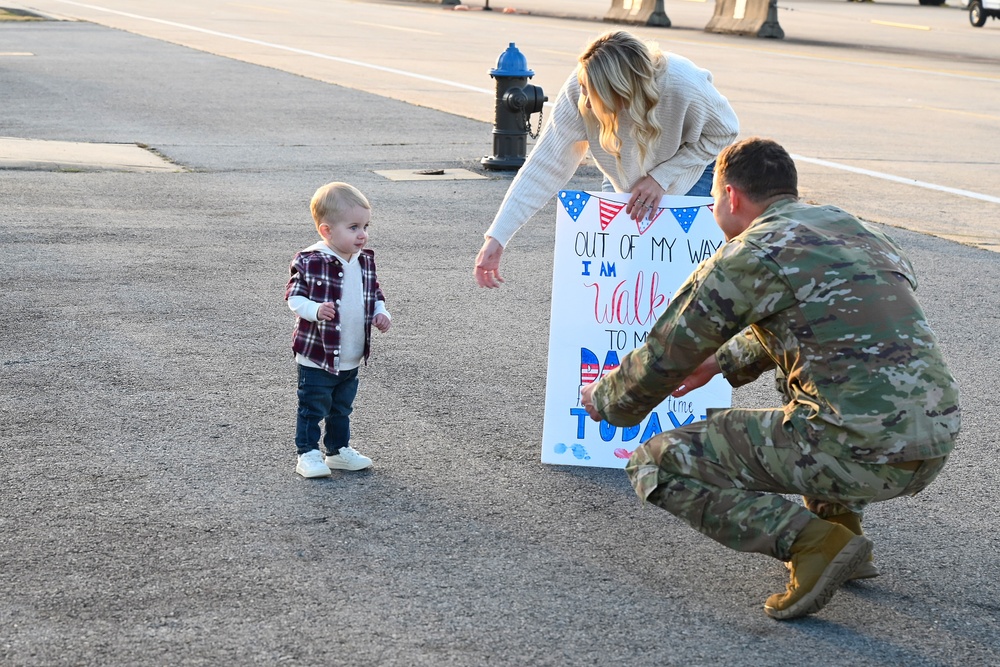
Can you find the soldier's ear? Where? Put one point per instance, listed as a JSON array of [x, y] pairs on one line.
[[742, 209], [736, 198]]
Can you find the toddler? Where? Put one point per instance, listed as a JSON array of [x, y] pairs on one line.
[[335, 295]]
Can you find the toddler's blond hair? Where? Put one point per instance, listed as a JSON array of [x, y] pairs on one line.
[[333, 200]]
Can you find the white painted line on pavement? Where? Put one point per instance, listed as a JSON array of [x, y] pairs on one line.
[[444, 82], [898, 179]]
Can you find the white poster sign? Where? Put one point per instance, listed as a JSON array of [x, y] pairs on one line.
[[612, 278]]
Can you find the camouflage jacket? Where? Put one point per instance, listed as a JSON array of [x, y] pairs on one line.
[[828, 303]]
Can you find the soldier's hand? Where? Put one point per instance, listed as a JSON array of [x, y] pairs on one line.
[[707, 370], [587, 401]]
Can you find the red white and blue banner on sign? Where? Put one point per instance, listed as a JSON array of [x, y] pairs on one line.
[[612, 278]]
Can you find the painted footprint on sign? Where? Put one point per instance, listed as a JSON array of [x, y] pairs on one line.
[[578, 450]]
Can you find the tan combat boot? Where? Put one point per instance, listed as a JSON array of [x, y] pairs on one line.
[[852, 522], [824, 556]]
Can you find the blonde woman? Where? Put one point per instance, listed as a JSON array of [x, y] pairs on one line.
[[652, 120]]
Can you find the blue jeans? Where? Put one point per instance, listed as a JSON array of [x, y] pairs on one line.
[[329, 398], [703, 188]]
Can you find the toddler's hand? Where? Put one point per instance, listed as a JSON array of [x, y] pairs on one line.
[[326, 311], [381, 322]]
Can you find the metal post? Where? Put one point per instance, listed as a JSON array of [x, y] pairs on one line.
[[659, 16]]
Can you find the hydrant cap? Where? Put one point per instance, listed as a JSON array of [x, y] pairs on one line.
[[512, 63]]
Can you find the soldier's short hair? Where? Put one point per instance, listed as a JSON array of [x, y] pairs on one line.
[[334, 200], [761, 168]]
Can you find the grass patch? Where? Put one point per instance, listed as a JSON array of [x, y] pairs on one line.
[[18, 15]]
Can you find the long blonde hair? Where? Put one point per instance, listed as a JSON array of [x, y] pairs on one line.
[[620, 73]]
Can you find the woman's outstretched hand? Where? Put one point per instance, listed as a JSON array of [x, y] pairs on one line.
[[487, 270], [646, 196]]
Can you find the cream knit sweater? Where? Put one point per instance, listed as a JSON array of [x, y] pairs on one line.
[[697, 123]]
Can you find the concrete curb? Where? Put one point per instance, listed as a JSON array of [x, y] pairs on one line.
[[38, 155]]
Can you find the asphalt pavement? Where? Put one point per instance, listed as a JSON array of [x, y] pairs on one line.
[[149, 512]]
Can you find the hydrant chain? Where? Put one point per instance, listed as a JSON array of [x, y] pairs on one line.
[[527, 125]]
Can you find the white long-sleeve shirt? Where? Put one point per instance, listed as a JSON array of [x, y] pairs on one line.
[[696, 120]]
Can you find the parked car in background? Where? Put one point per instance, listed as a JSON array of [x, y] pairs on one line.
[[980, 10]]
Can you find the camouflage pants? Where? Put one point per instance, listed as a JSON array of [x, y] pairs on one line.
[[724, 477]]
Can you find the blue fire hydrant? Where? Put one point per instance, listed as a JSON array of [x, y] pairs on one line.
[[516, 100]]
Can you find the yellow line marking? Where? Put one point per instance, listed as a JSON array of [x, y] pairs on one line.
[[15, 53], [902, 25], [961, 113], [395, 27], [263, 9], [560, 53]]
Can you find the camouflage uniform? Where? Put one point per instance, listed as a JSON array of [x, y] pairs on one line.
[[828, 303]]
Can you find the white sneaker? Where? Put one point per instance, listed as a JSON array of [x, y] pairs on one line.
[[348, 459], [311, 465]]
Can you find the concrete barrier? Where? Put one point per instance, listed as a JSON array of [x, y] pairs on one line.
[[639, 12], [746, 17]]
